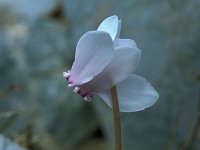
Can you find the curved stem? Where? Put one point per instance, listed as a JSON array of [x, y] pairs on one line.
[[117, 122]]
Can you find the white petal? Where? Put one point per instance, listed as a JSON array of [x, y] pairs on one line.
[[106, 96], [134, 94], [119, 28], [94, 51], [125, 43], [122, 65], [110, 25]]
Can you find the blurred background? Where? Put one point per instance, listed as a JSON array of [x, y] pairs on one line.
[[37, 43]]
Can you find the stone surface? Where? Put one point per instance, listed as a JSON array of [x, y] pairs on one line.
[[6, 144]]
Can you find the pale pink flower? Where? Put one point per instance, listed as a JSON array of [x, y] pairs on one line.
[[103, 60]]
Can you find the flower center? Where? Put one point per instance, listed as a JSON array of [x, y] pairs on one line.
[[81, 90]]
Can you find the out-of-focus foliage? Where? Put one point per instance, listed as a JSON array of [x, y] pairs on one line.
[[37, 43]]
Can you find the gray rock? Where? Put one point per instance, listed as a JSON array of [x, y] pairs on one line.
[[6, 144]]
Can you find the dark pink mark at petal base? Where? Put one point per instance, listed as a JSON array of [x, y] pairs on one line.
[[86, 95], [67, 77]]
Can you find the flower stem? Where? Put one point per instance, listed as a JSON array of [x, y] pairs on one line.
[[117, 122]]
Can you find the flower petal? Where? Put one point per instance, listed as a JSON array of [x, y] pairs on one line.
[[134, 94], [94, 51], [125, 43], [110, 25], [119, 28], [113, 73]]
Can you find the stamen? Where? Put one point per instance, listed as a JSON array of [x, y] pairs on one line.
[[76, 89], [70, 85], [65, 74], [89, 99], [86, 98]]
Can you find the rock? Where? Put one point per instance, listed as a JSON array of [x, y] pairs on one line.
[[6, 144]]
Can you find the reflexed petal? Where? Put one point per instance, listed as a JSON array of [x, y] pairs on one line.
[[110, 25], [106, 96], [125, 43], [122, 65], [134, 94], [94, 51], [119, 28]]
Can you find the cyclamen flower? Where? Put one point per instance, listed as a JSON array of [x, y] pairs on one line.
[[103, 60]]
